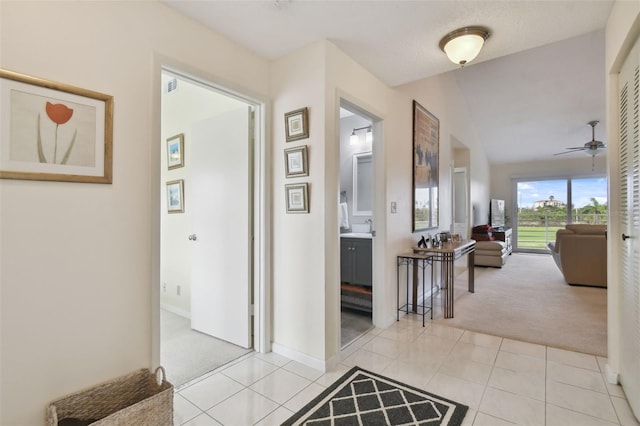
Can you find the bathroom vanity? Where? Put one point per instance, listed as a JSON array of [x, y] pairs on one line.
[[356, 271]]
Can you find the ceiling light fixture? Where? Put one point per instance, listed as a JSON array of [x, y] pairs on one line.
[[464, 44], [353, 139]]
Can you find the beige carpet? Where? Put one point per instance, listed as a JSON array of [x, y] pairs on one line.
[[528, 300], [187, 354]]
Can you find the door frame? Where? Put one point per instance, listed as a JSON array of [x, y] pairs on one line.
[[261, 282], [379, 311]]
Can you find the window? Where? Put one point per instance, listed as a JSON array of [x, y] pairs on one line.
[[544, 206]]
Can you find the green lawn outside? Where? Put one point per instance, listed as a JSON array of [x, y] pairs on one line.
[[536, 236]]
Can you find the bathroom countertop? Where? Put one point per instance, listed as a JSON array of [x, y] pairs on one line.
[[366, 235]]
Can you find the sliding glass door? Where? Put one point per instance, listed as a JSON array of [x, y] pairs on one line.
[[544, 206]]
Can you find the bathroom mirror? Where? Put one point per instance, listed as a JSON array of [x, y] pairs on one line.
[[362, 184]]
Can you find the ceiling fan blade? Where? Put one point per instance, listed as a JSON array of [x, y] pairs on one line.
[[577, 147], [570, 152]]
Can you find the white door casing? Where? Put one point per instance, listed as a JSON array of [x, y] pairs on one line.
[[222, 223], [460, 202]]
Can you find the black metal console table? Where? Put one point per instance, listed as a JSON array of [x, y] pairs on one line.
[[418, 261]]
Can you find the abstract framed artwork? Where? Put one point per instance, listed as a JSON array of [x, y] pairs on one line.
[[426, 145], [296, 124], [175, 151], [295, 162], [297, 197], [175, 196], [53, 131]]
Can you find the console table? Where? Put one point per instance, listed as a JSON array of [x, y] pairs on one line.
[[446, 255], [418, 261]]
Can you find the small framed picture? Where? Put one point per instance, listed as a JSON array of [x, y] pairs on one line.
[[295, 161], [297, 195], [297, 124], [175, 196], [175, 151]]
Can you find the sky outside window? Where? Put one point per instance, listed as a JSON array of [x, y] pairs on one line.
[[583, 190]]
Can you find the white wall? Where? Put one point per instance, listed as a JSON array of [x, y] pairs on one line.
[[391, 113], [623, 29], [77, 262], [442, 96], [298, 249]]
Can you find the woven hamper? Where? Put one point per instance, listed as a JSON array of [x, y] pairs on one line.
[[135, 399]]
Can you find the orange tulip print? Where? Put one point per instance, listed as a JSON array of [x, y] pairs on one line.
[[59, 114]]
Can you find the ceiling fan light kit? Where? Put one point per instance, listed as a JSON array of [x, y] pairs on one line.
[[463, 45]]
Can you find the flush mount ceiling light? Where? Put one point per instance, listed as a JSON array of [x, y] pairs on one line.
[[464, 44]]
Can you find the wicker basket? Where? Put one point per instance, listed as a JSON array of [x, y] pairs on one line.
[[138, 398]]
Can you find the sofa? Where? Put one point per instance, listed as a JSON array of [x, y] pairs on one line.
[[580, 251]]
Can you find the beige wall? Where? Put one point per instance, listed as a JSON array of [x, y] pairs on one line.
[[76, 305]]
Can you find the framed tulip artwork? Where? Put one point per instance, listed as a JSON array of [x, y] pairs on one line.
[[53, 131]]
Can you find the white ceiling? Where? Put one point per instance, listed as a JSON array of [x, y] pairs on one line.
[[520, 94]]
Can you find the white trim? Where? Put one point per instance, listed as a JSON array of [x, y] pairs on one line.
[[612, 376], [381, 313], [261, 213], [305, 359], [174, 310]]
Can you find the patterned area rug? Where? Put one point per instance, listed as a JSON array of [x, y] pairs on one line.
[[364, 398]]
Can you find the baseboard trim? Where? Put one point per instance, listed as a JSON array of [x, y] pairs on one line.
[[305, 359], [174, 310], [611, 376]]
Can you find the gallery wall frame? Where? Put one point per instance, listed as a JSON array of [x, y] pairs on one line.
[[175, 196], [296, 124], [426, 169], [297, 197], [296, 162], [175, 151], [53, 131]]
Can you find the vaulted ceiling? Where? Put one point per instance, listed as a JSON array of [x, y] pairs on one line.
[[537, 82]]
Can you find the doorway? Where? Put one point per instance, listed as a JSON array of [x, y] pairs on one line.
[[357, 223], [206, 208]]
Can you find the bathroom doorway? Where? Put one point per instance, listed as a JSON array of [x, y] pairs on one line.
[[356, 222]]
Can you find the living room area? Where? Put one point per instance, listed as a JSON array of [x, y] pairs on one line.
[[540, 263]]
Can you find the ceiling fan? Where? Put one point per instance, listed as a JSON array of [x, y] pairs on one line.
[[592, 148]]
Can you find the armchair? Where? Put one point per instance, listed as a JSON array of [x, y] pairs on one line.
[[580, 251]]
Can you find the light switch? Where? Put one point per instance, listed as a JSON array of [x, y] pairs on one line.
[[393, 207]]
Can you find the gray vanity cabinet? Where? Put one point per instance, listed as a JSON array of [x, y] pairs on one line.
[[355, 261]]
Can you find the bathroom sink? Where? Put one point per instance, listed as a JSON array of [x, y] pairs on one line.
[[356, 235]]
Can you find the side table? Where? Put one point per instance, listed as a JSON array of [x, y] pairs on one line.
[[417, 261]]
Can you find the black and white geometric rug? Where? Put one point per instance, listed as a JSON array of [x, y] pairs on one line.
[[361, 397]]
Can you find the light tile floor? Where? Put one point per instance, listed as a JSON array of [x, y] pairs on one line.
[[503, 381]]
